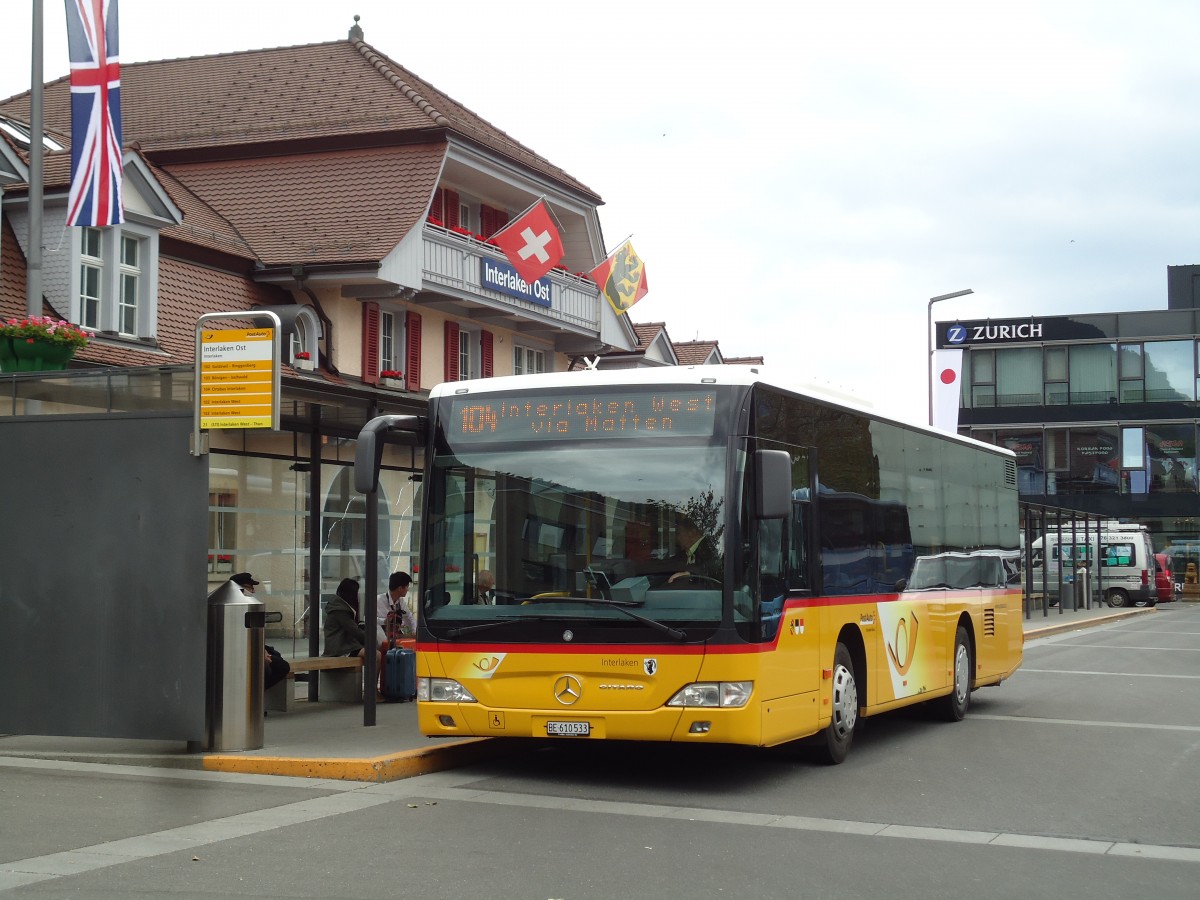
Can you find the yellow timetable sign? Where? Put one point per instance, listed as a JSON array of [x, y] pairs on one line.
[[237, 378]]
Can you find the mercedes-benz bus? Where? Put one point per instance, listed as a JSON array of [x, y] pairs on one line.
[[698, 554]]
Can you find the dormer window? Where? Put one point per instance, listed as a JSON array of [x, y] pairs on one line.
[[113, 285], [20, 133], [304, 331]]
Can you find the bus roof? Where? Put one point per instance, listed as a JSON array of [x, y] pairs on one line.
[[688, 375]]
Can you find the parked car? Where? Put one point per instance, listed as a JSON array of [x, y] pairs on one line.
[[1125, 555], [1164, 580]]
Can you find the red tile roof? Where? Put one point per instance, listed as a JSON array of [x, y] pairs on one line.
[[192, 291], [226, 103], [646, 333], [343, 206], [12, 274], [695, 353]]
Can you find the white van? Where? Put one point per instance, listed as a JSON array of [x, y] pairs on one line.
[[1126, 561]]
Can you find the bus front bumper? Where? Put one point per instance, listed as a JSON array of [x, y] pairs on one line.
[[689, 724]]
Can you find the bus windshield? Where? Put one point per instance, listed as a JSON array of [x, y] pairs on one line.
[[605, 540]]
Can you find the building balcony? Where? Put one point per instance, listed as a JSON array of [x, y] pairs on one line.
[[453, 268], [1076, 398]]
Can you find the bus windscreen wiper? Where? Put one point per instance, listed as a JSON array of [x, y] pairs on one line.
[[675, 634], [621, 607], [484, 626]]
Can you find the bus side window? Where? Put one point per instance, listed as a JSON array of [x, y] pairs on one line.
[[797, 568]]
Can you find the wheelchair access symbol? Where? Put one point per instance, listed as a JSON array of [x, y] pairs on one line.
[[496, 721]]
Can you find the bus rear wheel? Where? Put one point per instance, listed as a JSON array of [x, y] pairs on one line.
[[954, 706], [833, 744]]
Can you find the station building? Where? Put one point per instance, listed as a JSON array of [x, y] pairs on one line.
[[334, 187], [328, 184]]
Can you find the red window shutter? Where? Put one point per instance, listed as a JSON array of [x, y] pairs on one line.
[[444, 207], [451, 351], [412, 351], [492, 220], [370, 343], [485, 365]]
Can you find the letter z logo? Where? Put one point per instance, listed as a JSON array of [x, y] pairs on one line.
[[956, 334]]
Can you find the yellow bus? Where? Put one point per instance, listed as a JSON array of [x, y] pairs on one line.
[[695, 554]]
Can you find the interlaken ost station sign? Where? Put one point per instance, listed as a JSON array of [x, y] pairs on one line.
[[237, 372]]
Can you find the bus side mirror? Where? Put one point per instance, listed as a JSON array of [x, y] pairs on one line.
[[773, 483], [369, 450]]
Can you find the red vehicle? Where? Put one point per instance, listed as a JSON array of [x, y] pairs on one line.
[[1164, 581]]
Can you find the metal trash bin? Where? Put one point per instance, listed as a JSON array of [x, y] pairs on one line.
[[1083, 588], [1066, 600], [234, 687]]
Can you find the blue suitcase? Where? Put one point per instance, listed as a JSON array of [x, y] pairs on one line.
[[400, 674]]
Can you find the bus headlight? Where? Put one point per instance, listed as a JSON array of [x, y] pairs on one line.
[[443, 690], [713, 693]]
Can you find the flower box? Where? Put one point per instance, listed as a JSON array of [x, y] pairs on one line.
[[391, 379], [38, 344], [302, 362]]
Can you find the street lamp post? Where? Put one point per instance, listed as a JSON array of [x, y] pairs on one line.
[[929, 337]]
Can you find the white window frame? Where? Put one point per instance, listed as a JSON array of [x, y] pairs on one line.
[[128, 273], [297, 339], [523, 356], [468, 354], [391, 340], [89, 302], [114, 276]]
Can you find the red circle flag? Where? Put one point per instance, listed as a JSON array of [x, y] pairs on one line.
[[949, 376]]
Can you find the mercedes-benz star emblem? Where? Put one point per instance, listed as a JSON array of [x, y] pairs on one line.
[[567, 690]]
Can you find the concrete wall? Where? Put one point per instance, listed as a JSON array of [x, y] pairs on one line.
[[103, 535]]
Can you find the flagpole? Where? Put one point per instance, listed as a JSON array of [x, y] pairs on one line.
[[619, 245], [37, 146]]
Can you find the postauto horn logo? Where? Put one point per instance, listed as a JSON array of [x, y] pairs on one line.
[[956, 334]]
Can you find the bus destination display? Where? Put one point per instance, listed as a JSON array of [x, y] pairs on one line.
[[559, 417]]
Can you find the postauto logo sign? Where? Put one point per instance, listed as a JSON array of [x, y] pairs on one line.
[[993, 332]]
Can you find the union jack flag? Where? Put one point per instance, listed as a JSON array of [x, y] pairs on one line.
[[95, 197]]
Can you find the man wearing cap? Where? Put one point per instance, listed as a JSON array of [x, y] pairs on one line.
[[246, 582]]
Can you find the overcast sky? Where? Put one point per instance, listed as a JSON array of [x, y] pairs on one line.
[[801, 177]]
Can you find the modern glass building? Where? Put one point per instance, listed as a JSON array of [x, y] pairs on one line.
[[1101, 409]]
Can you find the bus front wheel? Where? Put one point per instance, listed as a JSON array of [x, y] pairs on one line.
[[954, 706], [833, 744]]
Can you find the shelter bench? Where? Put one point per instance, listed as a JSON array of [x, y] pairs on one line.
[[340, 681]]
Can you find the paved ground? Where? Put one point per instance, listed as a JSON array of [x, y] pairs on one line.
[[329, 740]]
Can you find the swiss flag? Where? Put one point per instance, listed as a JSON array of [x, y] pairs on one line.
[[531, 242]]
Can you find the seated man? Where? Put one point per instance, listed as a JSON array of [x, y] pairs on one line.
[[485, 589], [696, 556]]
